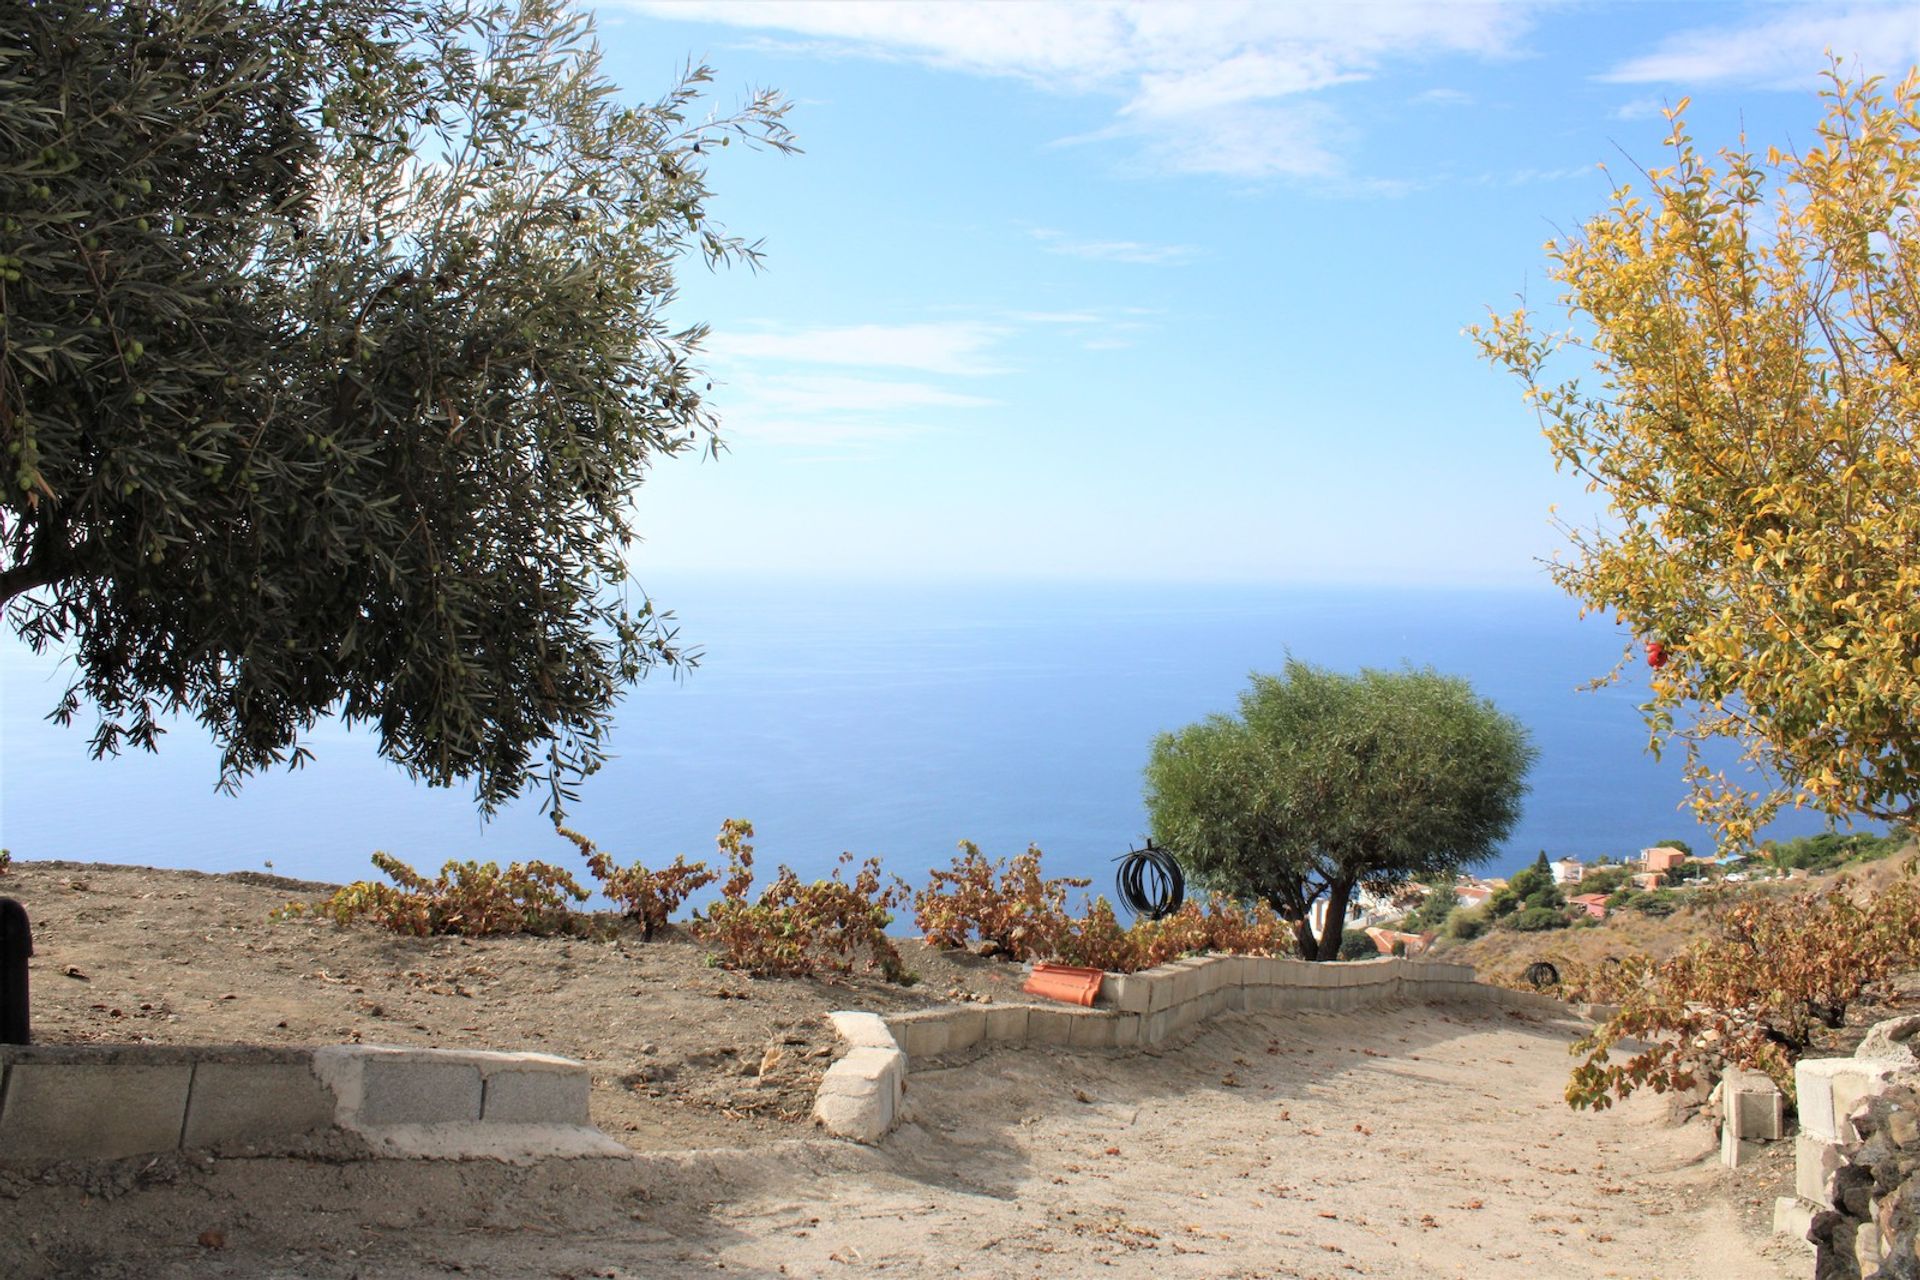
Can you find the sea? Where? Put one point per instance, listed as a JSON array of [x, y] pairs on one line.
[[884, 718]]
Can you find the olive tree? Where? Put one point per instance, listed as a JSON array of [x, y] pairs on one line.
[[335, 346], [1326, 782]]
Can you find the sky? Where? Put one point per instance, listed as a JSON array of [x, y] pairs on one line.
[[1124, 291]]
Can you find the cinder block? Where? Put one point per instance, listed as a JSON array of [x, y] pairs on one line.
[[258, 1103], [416, 1090], [78, 1111], [1007, 1023], [857, 1029], [1753, 1105], [1815, 1161], [1095, 1031], [965, 1028], [1828, 1089], [1735, 1150], [1155, 1027], [1793, 1217], [859, 1096], [920, 1035], [1160, 988], [1127, 992], [539, 1096], [1049, 1026]]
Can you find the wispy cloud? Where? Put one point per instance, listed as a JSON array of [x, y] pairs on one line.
[[1782, 48], [1132, 251], [1223, 88], [1443, 98], [956, 348]]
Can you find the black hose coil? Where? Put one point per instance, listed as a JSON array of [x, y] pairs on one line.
[[1150, 882]]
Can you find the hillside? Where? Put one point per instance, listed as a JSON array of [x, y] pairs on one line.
[[1502, 955]]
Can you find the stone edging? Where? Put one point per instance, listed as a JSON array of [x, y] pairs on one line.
[[72, 1102], [860, 1095]]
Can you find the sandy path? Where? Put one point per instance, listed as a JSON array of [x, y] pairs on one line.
[[1413, 1142]]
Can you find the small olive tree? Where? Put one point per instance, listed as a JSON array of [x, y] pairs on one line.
[[334, 350], [1326, 782]]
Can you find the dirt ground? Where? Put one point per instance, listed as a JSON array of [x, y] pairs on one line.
[[1404, 1142], [1409, 1142], [677, 1047]]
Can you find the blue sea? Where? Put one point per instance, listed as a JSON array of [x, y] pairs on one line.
[[882, 719]]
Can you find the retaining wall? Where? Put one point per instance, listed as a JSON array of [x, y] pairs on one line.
[[861, 1094], [72, 1102]]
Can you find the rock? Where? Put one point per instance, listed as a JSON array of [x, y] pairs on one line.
[[1892, 1041]]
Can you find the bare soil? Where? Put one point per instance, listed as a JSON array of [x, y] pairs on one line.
[[683, 1054], [1410, 1142]]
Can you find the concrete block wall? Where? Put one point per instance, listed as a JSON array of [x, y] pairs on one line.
[[860, 1097], [74, 1102]]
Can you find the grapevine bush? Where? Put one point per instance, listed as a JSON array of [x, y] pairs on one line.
[[796, 929], [650, 897], [1224, 926], [1014, 910], [1754, 994], [467, 898]]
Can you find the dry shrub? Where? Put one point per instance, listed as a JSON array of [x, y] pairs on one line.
[[1755, 994], [1223, 927], [651, 897], [796, 929], [467, 898], [1014, 910]]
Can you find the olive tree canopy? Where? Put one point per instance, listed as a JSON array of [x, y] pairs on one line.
[[1325, 782], [334, 349]]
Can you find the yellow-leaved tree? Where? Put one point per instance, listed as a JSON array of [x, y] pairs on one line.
[[1754, 325]]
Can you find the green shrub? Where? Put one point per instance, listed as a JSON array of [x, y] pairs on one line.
[[1465, 926], [1356, 945], [1536, 919]]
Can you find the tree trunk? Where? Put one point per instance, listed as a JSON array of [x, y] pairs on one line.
[[1339, 893]]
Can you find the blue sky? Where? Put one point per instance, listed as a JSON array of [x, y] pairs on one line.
[[1115, 291]]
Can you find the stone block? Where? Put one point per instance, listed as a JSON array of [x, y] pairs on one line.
[[965, 1028], [1127, 992], [1007, 1023], [1829, 1088], [539, 1096], [1187, 980], [862, 1029], [256, 1103], [1050, 1026], [1793, 1217], [409, 1090], [81, 1111], [1100, 1031], [1753, 1105], [921, 1035], [859, 1096], [1155, 1027], [1815, 1161], [1735, 1150], [1160, 988]]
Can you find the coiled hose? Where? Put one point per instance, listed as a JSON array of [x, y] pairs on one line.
[[1150, 882]]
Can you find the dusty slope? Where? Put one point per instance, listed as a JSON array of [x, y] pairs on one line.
[[1411, 1142], [676, 1046]]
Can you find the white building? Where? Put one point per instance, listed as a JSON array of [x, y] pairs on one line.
[[1568, 871]]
